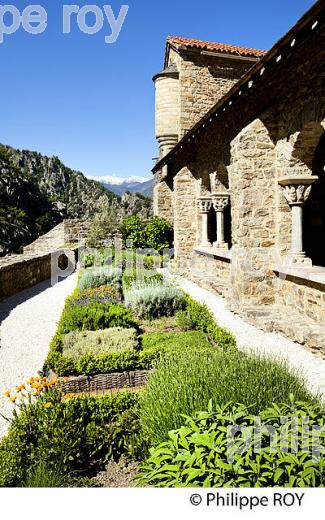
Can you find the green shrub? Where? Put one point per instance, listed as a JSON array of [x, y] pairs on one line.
[[98, 276], [95, 316], [199, 453], [154, 300], [75, 344], [186, 381], [156, 234], [104, 223], [198, 317], [159, 234], [132, 228], [143, 276], [71, 433]]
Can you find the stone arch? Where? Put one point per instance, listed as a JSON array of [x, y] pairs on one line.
[[314, 210], [219, 183], [303, 145]]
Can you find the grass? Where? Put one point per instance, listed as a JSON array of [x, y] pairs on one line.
[[187, 380], [42, 476]]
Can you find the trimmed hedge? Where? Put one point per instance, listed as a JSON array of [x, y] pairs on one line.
[[91, 317], [154, 346], [197, 316]]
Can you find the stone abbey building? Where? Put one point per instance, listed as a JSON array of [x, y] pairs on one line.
[[241, 174]]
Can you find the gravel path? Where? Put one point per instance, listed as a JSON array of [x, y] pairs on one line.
[[28, 323], [250, 338]]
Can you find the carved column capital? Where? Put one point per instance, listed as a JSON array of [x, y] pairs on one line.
[[220, 201], [204, 204], [297, 189]]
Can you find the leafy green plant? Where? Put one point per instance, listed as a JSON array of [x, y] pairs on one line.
[[159, 234], [115, 339], [76, 431], [154, 300], [201, 453], [97, 276], [132, 229], [187, 380], [198, 317]]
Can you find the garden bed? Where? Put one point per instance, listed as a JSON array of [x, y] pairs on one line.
[[187, 385]]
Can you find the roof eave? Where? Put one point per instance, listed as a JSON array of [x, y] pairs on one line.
[[286, 39]]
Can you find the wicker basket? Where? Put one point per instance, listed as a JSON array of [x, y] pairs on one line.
[[102, 382]]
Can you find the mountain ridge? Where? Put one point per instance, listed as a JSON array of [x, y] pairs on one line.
[[37, 192]]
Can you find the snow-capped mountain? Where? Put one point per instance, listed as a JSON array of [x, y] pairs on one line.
[[119, 185]]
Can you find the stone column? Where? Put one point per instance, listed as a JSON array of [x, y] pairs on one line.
[[220, 202], [204, 205], [296, 190]]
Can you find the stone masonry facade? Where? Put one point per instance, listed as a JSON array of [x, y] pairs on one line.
[[241, 174]]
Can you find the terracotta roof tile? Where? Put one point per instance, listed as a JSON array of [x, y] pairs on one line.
[[218, 47]]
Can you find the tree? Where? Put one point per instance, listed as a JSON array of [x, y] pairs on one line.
[[104, 223]]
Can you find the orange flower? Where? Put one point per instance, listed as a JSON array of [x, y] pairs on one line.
[[44, 379], [7, 393], [37, 378], [13, 398]]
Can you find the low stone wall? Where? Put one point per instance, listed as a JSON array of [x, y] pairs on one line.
[[19, 272], [211, 271], [306, 297], [75, 230]]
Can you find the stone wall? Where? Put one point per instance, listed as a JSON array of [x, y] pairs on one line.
[[75, 230], [271, 128], [19, 272], [203, 81], [185, 217], [211, 271], [303, 296], [70, 231], [163, 201]]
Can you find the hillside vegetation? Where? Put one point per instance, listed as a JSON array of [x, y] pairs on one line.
[[38, 192]]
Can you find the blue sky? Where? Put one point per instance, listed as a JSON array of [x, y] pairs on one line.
[[92, 103]]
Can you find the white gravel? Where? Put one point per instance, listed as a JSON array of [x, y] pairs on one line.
[[249, 338], [28, 323]]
